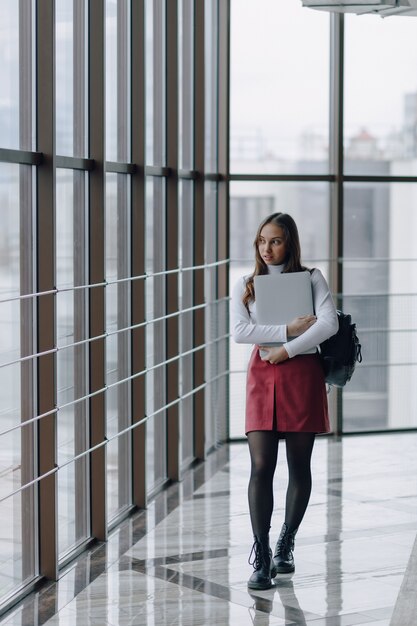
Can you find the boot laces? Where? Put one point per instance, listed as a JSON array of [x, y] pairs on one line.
[[255, 556]]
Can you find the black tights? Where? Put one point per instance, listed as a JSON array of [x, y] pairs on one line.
[[263, 447]]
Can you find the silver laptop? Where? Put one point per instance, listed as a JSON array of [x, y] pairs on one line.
[[282, 297]]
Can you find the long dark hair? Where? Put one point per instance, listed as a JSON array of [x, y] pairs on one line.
[[292, 261]]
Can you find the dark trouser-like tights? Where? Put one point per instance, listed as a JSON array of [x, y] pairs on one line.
[[263, 447]]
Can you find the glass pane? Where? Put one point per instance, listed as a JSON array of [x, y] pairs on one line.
[[380, 286], [185, 260], [117, 80], [111, 80], [155, 333], [9, 74], [186, 83], [71, 69], [64, 67], [72, 370], [155, 82], [279, 88], [117, 345], [19, 530], [250, 203], [380, 96]]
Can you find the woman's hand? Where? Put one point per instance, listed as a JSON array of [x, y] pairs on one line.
[[274, 354], [299, 325]]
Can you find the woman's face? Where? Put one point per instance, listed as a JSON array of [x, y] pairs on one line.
[[271, 244]]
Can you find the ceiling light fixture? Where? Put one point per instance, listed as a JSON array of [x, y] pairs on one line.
[[384, 8]]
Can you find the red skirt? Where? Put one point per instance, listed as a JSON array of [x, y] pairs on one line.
[[287, 397]]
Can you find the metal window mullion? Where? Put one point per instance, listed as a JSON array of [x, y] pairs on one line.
[[80, 355], [74, 162], [328, 178], [22, 157], [337, 168], [159, 237], [138, 303], [80, 273], [28, 526], [223, 202], [171, 221], [123, 338], [199, 230], [27, 370], [186, 227], [159, 234], [211, 210], [96, 236], [46, 305]]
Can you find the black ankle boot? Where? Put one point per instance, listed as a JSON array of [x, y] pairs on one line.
[[262, 564], [283, 557]]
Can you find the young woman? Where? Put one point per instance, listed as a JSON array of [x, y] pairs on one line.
[[285, 394]]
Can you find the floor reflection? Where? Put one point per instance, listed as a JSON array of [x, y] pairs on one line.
[[263, 605], [183, 561]]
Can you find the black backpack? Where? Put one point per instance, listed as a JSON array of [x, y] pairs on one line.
[[340, 353]]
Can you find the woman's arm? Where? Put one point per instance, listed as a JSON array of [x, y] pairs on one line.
[[243, 329], [326, 324]]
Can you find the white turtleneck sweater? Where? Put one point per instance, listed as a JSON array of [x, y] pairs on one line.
[[244, 328]]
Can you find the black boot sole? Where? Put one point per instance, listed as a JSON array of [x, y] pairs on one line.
[[260, 586]]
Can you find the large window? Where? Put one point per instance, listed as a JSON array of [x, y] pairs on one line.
[[380, 106], [356, 214], [109, 299]]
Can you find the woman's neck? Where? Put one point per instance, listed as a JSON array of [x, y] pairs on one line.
[[275, 269]]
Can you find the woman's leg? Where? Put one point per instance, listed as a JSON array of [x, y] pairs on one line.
[[299, 449], [263, 448]]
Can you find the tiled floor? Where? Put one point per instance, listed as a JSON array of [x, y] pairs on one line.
[[184, 561]]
